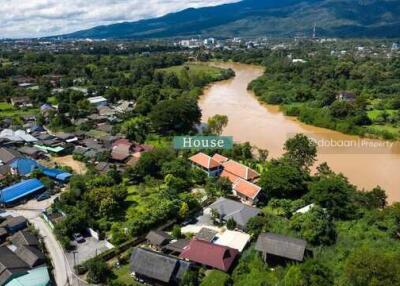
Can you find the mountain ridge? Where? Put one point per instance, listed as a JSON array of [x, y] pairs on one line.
[[341, 18]]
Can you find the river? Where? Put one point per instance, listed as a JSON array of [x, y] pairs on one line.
[[366, 162]]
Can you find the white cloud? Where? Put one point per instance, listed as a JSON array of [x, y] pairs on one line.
[[35, 18]]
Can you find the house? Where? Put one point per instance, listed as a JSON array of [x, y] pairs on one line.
[[158, 238], [40, 276], [31, 255], [246, 191], [24, 237], [32, 152], [121, 150], [4, 171], [234, 170], [206, 164], [206, 234], [219, 158], [21, 101], [176, 246], [228, 209], [156, 268], [23, 166], [11, 266], [233, 239], [211, 255], [346, 96], [7, 155], [14, 224], [17, 136], [278, 249], [98, 101], [20, 190]]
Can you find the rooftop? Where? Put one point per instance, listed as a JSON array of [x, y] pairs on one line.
[[204, 161]]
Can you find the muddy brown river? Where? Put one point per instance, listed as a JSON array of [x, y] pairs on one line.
[[366, 162]]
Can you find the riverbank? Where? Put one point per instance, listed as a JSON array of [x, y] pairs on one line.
[[366, 162]]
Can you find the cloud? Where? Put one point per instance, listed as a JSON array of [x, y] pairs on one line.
[[36, 18]]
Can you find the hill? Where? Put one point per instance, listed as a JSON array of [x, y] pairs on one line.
[[341, 18]]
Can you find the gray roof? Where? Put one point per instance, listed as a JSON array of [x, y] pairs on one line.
[[10, 264], [30, 255], [206, 234], [153, 265], [177, 246], [282, 246], [29, 150], [5, 170], [11, 221], [24, 237], [8, 154], [159, 238], [239, 212]]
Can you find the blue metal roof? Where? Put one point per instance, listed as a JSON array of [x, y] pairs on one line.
[[56, 174], [24, 166], [20, 190]]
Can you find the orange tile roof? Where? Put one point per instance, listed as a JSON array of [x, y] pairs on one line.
[[231, 177], [205, 161], [246, 188], [240, 170], [219, 158]]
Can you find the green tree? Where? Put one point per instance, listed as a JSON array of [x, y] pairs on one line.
[[284, 179], [231, 224], [217, 123], [368, 266], [310, 273], [301, 150], [98, 271], [334, 193], [315, 226], [184, 210], [136, 129]]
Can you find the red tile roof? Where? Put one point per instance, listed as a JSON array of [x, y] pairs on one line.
[[240, 170], [219, 158], [231, 177], [246, 188], [204, 161], [120, 152], [213, 255]]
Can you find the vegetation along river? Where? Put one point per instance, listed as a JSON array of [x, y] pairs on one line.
[[366, 162]]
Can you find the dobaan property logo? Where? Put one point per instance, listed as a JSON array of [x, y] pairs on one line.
[[203, 142]]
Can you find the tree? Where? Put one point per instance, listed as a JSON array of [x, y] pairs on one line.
[[284, 179], [368, 266], [217, 123], [310, 273], [175, 116], [136, 129], [231, 224], [315, 226], [376, 198], [184, 210], [334, 193], [301, 150], [97, 271], [176, 231]]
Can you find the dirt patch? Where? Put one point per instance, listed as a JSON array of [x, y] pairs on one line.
[[68, 161]]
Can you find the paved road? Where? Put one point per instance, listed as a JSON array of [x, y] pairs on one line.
[[62, 271]]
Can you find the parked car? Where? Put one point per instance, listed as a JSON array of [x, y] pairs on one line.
[[43, 196], [79, 238]]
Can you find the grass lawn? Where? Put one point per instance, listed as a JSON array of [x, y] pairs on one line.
[[122, 276], [158, 141], [199, 70], [215, 277], [379, 129], [7, 110], [96, 133], [139, 199]]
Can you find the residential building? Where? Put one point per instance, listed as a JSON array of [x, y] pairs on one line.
[[234, 170], [98, 101], [206, 164], [7, 155], [211, 255], [280, 249], [20, 190], [156, 268], [246, 191], [229, 209], [158, 238]]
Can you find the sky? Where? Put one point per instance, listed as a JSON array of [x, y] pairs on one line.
[[37, 18]]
